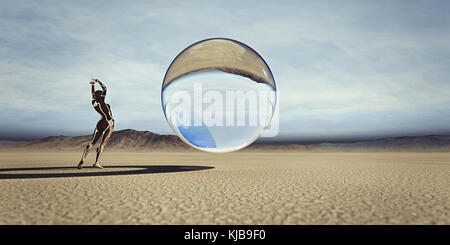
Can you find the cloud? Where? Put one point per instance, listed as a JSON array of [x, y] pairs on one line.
[[342, 67]]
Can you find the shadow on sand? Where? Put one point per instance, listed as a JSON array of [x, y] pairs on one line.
[[90, 171]]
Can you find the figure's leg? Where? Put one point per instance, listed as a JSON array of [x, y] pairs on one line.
[[89, 146], [106, 136]]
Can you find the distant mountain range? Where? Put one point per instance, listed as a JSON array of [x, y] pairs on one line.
[[132, 140], [123, 140], [405, 143]]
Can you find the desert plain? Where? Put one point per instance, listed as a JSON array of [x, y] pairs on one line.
[[39, 187]]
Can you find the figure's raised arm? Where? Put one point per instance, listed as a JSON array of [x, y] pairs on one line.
[[103, 87], [92, 82]]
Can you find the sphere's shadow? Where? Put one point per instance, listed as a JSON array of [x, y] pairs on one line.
[[90, 171]]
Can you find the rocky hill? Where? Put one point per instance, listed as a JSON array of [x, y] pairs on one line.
[[123, 140]]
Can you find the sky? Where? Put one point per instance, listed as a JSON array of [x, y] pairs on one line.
[[343, 69]]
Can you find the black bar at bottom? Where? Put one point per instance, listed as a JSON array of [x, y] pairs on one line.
[[229, 234]]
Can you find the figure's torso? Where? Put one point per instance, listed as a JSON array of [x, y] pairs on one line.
[[104, 110]]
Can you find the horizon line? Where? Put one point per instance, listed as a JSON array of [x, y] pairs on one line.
[[267, 140]]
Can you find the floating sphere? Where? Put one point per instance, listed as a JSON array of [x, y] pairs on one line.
[[218, 95]]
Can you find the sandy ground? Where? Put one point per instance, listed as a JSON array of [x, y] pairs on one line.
[[241, 188]]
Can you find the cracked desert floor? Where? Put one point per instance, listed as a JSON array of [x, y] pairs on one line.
[[234, 188]]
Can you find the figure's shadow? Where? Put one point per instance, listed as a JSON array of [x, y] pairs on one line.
[[90, 171]]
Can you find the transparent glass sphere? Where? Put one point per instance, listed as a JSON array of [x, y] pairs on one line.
[[218, 95]]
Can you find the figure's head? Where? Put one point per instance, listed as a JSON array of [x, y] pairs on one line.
[[98, 94]]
